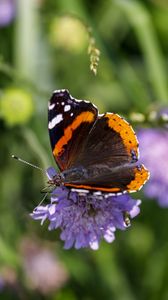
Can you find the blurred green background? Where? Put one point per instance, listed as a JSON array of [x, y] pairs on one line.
[[43, 47]]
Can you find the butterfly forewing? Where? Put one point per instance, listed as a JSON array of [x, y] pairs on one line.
[[69, 123]]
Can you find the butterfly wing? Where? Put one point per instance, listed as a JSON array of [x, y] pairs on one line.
[[109, 158], [69, 123], [111, 141], [128, 178]]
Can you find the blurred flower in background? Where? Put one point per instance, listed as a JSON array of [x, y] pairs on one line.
[[68, 33], [16, 106], [8, 278], [7, 12], [1, 283], [43, 270], [86, 218], [154, 154]]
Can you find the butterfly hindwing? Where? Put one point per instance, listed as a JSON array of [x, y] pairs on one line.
[[109, 158], [111, 141], [127, 178]]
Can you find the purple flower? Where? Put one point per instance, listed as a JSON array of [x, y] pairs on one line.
[[38, 257], [85, 218], [154, 154], [2, 283], [7, 12]]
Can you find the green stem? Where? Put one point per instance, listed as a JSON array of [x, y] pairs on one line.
[[7, 255], [21, 80], [140, 19], [112, 274], [134, 86], [26, 37], [37, 148]]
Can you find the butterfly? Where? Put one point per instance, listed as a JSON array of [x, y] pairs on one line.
[[93, 152]]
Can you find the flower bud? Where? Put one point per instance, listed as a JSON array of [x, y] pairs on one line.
[[68, 33], [16, 106]]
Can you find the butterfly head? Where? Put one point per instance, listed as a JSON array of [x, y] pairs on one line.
[[56, 180]]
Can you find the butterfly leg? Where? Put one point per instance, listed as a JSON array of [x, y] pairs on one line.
[[44, 190], [126, 217]]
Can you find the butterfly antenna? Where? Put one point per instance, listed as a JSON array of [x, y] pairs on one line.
[[45, 196], [27, 163]]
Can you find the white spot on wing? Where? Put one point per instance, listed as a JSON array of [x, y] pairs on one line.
[[55, 121], [51, 106], [71, 114], [67, 108], [98, 193], [62, 103], [80, 191], [59, 91]]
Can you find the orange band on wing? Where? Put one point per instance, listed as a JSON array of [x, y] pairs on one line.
[[125, 130], [83, 117], [141, 176], [88, 187]]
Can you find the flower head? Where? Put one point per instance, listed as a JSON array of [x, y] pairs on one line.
[[85, 218], [154, 154], [7, 12], [39, 260]]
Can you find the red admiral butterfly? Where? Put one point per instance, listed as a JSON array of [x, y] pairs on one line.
[[92, 151]]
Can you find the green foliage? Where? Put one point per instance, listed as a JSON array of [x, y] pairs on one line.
[[36, 57]]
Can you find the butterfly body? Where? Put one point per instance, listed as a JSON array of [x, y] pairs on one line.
[[93, 152]]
